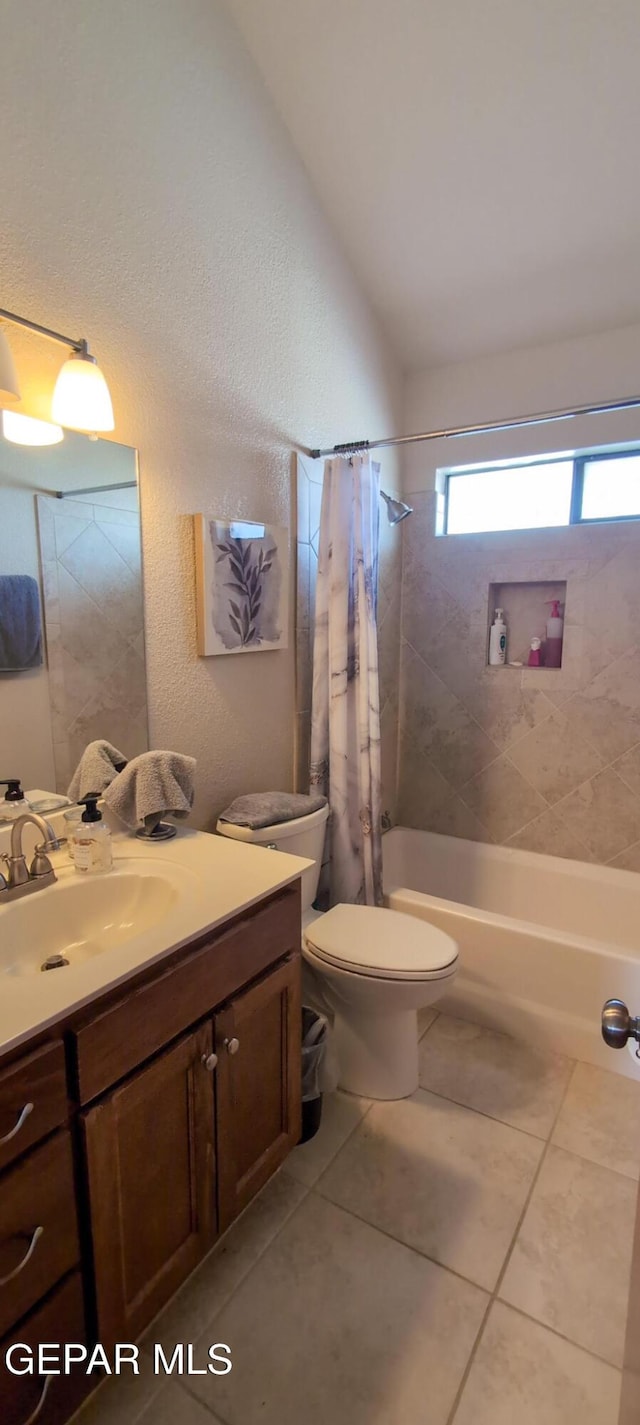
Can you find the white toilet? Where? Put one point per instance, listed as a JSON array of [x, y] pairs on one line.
[[375, 969]]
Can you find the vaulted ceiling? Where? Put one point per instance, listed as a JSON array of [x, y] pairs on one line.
[[478, 158]]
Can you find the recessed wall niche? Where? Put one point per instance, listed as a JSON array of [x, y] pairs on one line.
[[526, 607]]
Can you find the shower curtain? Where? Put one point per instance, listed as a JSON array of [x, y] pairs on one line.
[[345, 719]]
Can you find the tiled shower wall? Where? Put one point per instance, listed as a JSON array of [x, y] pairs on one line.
[[309, 495], [94, 620], [534, 758]]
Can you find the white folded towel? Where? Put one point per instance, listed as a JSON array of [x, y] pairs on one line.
[[153, 785], [99, 764]]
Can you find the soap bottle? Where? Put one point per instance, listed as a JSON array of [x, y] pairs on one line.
[[14, 802], [555, 624], [535, 659], [498, 640], [91, 849]]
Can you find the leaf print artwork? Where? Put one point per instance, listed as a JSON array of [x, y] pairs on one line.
[[242, 584]]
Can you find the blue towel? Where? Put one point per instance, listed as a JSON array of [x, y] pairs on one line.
[[20, 626]]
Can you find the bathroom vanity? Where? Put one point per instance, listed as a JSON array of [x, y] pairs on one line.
[[135, 1126]]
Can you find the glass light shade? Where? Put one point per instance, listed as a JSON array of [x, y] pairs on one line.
[[26, 430], [81, 397], [9, 388]]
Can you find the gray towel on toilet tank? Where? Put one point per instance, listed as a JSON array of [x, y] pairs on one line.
[[153, 785], [99, 764], [270, 808], [20, 623]]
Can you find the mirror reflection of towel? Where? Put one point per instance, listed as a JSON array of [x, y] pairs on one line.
[[20, 625]]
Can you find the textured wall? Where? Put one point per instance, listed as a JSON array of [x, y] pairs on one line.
[[536, 758], [153, 202], [309, 495]]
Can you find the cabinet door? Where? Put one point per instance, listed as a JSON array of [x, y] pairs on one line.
[[150, 1165], [257, 1038]]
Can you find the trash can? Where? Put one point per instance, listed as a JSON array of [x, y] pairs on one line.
[[315, 1030]]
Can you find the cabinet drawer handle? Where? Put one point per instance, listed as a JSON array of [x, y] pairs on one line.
[[23, 1116], [27, 1257], [232, 1045], [209, 1061], [38, 1410]]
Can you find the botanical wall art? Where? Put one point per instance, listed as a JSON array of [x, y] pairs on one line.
[[242, 584]]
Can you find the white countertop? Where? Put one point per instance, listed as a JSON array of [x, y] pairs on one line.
[[214, 879]]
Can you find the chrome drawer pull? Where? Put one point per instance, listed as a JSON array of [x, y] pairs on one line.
[[232, 1045], [209, 1061], [28, 1108], [27, 1257], [38, 1410]]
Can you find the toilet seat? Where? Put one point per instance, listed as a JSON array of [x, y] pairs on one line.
[[380, 943]]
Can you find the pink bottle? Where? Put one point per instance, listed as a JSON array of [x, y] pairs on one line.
[[553, 647], [534, 659]]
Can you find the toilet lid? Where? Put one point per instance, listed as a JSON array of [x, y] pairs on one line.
[[370, 940]]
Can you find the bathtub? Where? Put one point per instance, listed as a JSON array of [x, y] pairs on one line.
[[543, 941]]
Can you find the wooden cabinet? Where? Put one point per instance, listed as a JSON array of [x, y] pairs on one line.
[[33, 1099], [38, 1227], [48, 1399], [257, 1041], [151, 1182], [129, 1141]]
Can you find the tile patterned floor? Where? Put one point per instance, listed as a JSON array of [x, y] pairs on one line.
[[457, 1258]]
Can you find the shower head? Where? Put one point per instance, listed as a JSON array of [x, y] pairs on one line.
[[396, 509]]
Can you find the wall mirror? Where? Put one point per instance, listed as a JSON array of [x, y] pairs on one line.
[[72, 658]]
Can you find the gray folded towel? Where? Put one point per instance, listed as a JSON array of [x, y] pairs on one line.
[[99, 764], [20, 623], [270, 808], [153, 785]]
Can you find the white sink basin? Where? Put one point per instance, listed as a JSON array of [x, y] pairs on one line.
[[79, 918]]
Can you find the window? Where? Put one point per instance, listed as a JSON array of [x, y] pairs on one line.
[[540, 494]]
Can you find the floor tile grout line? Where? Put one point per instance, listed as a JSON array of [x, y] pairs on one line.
[[306, 1190], [458, 1103], [191, 1395], [494, 1294], [399, 1241], [241, 1279]]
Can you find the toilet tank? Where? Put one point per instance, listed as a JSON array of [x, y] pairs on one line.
[[302, 837]]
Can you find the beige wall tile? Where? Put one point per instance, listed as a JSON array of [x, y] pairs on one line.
[[502, 800], [604, 814], [607, 711], [555, 759], [549, 835], [628, 767]]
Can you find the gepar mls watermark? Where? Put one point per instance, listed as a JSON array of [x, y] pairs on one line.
[[65, 1358]]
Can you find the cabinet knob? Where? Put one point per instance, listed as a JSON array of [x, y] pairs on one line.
[[209, 1061], [232, 1045]]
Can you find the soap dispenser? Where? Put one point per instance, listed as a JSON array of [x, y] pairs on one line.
[[91, 849], [555, 626], [498, 640], [14, 802]]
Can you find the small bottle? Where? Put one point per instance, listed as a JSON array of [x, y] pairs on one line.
[[535, 660], [555, 625], [14, 802], [91, 849], [498, 640]]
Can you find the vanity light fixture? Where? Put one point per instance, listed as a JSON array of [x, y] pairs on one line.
[[9, 386], [81, 397], [26, 430]]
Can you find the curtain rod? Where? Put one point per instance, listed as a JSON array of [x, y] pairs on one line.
[[92, 490], [352, 446]]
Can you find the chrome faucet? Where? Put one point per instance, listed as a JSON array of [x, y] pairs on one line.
[[19, 881]]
